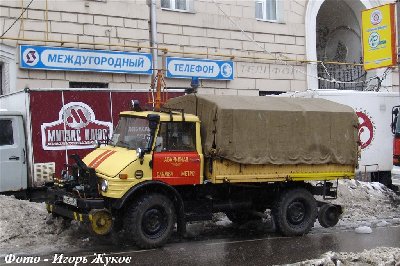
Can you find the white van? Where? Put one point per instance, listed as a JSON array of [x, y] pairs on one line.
[[374, 110]]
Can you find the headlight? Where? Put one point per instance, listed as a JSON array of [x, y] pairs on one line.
[[104, 185]]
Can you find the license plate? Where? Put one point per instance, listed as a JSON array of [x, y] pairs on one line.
[[70, 200]]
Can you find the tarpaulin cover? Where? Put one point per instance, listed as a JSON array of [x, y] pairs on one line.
[[274, 130]]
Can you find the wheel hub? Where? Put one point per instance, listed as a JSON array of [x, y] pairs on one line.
[[296, 212], [154, 222], [101, 222]]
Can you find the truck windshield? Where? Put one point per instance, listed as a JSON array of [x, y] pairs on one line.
[[131, 133], [397, 127]]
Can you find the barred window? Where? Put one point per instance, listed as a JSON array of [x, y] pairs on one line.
[[8, 71]]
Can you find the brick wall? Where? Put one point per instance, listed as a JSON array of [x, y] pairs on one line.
[[203, 33]]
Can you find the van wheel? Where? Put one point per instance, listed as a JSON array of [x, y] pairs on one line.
[[150, 220], [328, 215], [295, 212]]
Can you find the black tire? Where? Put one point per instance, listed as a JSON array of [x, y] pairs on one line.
[[295, 212], [241, 217], [328, 215], [150, 220]]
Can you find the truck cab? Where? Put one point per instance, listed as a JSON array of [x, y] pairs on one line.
[[13, 166], [148, 146]]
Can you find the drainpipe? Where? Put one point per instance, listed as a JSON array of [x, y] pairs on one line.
[[153, 37]]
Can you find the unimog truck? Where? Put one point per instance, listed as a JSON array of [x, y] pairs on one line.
[[206, 154]]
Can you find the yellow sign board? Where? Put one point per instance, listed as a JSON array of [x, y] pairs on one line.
[[379, 37]]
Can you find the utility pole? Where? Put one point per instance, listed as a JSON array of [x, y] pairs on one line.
[[153, 36]]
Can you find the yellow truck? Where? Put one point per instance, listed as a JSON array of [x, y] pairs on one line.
[[206, 154]]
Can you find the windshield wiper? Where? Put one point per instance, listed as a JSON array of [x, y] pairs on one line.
[[123, 143]]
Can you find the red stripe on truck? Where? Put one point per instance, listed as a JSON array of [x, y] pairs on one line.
[[101, 158]]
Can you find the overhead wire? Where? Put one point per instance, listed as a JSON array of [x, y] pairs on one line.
[[16, 20]]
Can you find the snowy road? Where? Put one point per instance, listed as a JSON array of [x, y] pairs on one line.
[[250, 251], [265, 251]]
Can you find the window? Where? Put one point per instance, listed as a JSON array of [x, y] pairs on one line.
[[176, 4], [6, 133], [267, 10], [176, 136], [131, 133], [95, 85], [266, 93]]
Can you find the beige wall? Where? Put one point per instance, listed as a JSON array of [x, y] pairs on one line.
[[203, 33]]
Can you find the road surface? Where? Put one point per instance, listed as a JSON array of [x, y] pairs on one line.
[[267, 250]]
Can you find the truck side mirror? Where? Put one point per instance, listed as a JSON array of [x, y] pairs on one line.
[[153, 122], [395, 115], [159, 144], [393, 125], [140, 153], [97, 143]]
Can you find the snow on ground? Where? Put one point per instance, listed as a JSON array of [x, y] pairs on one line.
[[25, 227], [363, 230], [378, 256], [366, 204]]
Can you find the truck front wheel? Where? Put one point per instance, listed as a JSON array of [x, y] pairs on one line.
[[150, 220], [295, 212]]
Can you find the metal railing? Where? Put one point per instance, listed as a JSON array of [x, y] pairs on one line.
[[342, 72]]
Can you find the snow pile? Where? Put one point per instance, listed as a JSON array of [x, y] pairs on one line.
[[377, 256], [363, 230], [25, 229], [369, 204]]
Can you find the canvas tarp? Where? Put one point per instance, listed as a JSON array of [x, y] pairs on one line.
[[274, 130]]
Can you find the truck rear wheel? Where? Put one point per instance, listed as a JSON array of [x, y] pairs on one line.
[[150, 220], [295, 212]]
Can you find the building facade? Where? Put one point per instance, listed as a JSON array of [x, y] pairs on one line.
[[271, 45]]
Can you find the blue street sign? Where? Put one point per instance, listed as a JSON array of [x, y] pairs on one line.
[[69, 59], [201, 68]]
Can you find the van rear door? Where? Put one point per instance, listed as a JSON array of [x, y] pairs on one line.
[[13, 169]]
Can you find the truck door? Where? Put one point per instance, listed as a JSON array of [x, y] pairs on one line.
[[13, 170], [175, 159]]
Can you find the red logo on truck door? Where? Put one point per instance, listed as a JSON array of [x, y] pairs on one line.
[[76, 128], [177, 168], [365, 129]]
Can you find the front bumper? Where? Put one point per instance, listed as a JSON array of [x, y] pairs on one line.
[[80, 212], [67, 213]]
